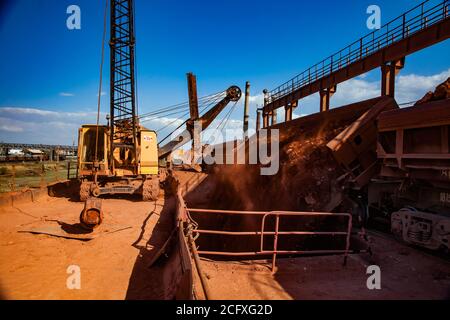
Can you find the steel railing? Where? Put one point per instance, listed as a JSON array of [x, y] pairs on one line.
[[276, 233], [416, 19]]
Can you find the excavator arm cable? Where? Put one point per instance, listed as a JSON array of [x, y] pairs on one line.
[[153, 117], [181, 106], [212, 102], [204, 108], [170, 134], [205, 104], [105, 18], [226, 118]]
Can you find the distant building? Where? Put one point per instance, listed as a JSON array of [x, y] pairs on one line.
[[16, 152], [34, 152]]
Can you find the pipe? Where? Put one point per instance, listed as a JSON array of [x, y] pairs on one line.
[[246, 115], [271, 233], [92, 215], [258, 120]]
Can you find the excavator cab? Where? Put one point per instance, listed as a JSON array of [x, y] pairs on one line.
[[100, 175]]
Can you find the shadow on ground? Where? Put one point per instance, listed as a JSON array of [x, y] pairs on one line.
[[152, 281], [67, 189]]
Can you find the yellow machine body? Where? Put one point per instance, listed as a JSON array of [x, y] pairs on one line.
[[87, 136], [148, 152], [119, 172]]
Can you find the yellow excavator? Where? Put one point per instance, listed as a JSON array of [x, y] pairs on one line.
[[122, 157]]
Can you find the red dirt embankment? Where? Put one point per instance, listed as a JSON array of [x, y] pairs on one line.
[[308, 176], [308, 179]]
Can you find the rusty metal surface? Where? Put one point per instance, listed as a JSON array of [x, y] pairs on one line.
[[350, 113], [92, 215], [193, 99], [355, 147], [185, 283], [415, 141], [246, 110], [414, 154], [425, 115]]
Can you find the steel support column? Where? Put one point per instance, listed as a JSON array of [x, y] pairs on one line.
[[258, 120], [265, 120], [265, 113], [194, 116], [274, 117], [289, 109], [193, 100], [325, 95], [246, 106], [388, 72]]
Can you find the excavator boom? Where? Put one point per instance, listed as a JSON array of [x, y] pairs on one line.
[[233, 94]]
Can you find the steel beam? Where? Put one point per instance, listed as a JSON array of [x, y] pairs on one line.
[[194, 116], [193, 100], [273, 116]]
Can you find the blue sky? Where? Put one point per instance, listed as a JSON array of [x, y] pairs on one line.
[[50, 74]]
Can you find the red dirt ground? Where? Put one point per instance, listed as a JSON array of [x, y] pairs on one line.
[[405, 274], [35, 266], [115, 266]]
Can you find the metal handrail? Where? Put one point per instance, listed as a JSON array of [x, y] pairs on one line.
[[276, 233], [414, 20]]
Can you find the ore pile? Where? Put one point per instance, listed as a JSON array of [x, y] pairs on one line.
[[307, 180], [441, 92]]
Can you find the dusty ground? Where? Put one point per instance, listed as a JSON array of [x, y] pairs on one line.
[[115, 265], [405, 274], [35, 266]]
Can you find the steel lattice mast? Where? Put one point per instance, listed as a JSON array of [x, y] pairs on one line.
[[122, 78]]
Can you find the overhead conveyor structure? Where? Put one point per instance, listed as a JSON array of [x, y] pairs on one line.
[[423, 26]]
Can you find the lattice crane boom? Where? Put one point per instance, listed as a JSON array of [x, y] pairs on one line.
[[123, 117]]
